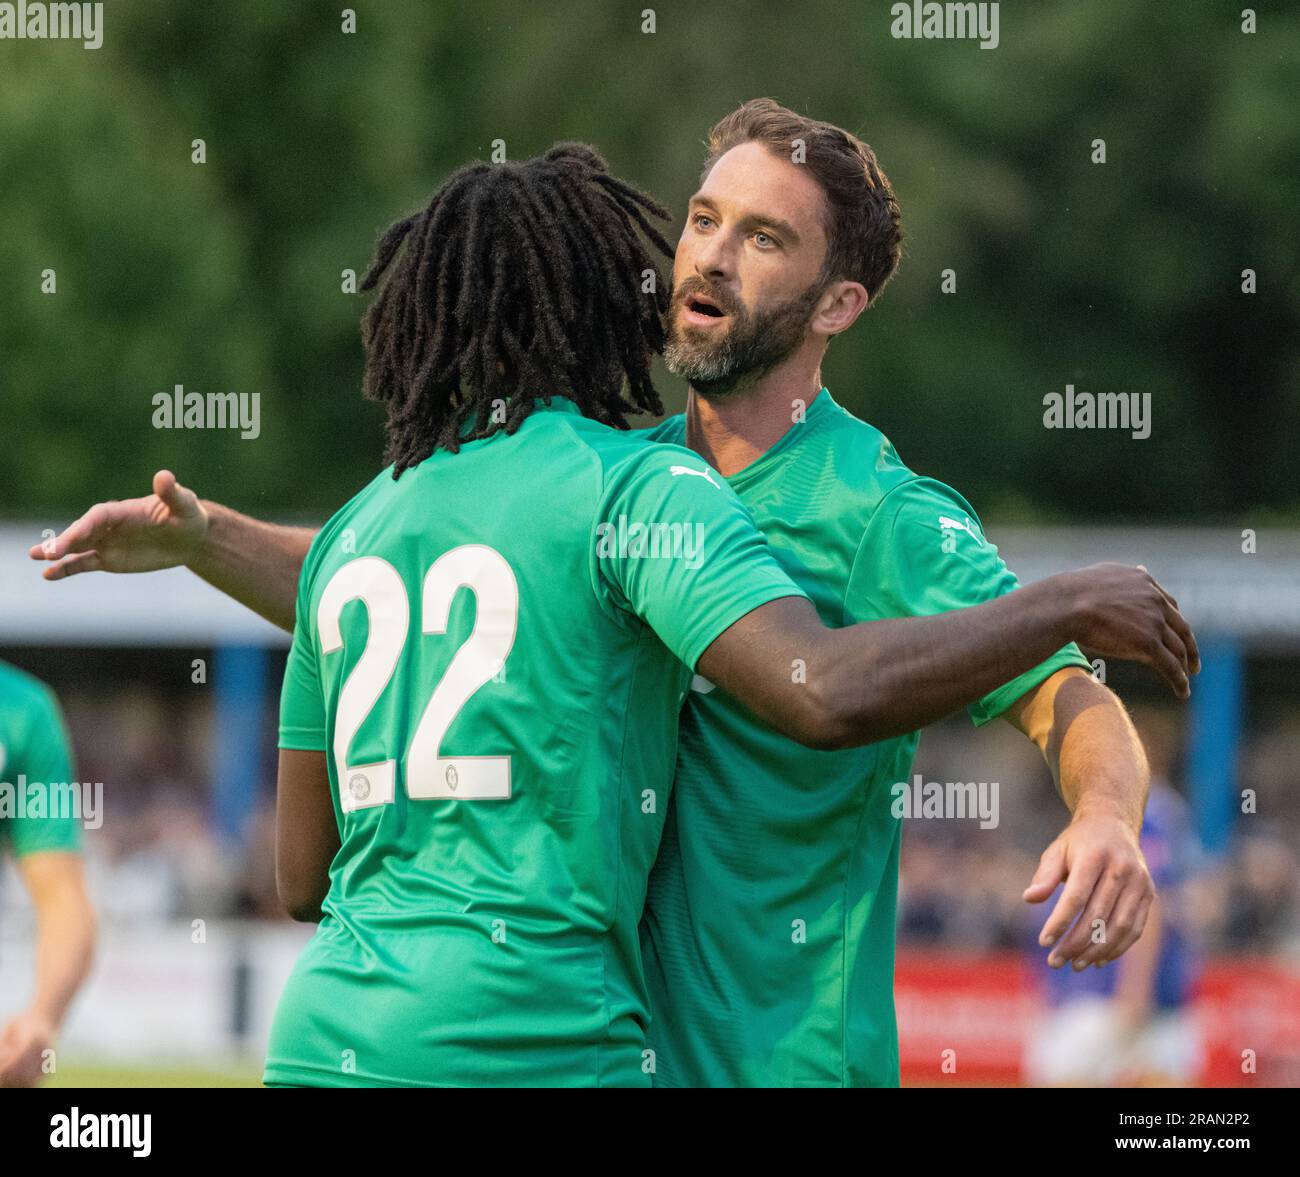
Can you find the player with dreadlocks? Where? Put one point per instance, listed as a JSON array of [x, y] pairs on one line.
[[504, 272], [493, 638], [480, 703]]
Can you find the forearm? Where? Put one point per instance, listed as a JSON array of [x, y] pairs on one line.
[[254, 562], [901, 674], [1101, 763], [1090, 745], [845, 687], [1101, 771], [65, 947]]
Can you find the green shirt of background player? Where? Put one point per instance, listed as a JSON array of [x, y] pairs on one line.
[[34, 751], [258, 564]]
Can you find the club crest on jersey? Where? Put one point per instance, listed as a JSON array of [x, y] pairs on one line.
[[359, 786]]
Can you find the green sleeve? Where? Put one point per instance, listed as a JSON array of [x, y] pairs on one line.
[[674, 546], [924, 552], [44, 757], [302, 702]]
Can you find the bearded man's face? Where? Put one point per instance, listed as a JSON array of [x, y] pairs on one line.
[[747, 275]]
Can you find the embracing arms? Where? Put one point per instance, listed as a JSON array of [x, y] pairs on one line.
[[835, 688], [826, 688]]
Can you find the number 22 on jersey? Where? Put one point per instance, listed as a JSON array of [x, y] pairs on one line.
[[375, 583]]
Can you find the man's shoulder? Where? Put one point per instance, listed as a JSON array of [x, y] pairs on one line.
[[671, 430], [379, 487], [858, 460], [870, 468], [29, 710], [634, 454]]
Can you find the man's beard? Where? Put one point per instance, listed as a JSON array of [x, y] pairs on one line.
[[753, 344]]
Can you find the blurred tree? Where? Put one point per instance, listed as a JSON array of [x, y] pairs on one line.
[[226, 275]]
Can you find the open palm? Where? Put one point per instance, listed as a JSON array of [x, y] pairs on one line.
[[160, 530]]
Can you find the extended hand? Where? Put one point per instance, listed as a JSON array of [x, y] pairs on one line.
[[161, 530], [1106, 879]]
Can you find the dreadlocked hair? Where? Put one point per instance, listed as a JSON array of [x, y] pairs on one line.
[[518, 281]]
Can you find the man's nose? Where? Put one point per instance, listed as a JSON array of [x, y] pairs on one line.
[[713, 260]]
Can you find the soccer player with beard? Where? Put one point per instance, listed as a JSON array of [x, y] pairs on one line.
[[768, 936], [774, 260]]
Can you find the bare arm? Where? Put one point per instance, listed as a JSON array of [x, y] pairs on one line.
[[1101, 770], [256, 563], [839, 688], [65, 943], [306, 833]]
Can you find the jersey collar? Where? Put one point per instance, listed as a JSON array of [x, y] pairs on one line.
[[822, 406]]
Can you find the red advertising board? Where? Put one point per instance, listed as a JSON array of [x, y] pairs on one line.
[[965, 1018]]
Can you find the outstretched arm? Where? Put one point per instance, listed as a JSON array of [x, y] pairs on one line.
[[1101, 770], [836, 688], [256, 563]]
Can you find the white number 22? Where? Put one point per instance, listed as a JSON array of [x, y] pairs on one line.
[[375, 583]]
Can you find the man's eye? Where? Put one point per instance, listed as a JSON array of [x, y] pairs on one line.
[[764, 240], [702, 221]]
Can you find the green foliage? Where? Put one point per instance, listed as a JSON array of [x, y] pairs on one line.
[[225, 276]]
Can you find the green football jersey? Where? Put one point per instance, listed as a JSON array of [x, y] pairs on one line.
[[494, 650], [34, 751], [768, 936]]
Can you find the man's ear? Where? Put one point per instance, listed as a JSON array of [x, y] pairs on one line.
[[839, 307]]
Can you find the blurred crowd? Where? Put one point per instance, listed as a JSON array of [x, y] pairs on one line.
[[961, 886]]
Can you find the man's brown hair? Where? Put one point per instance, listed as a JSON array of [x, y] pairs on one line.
[[864, 234]]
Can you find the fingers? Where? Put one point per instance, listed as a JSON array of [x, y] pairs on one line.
[[1087, 947], [1050, 872], [1128, 919], [1092, 891], [1178, 623], [1165, 663], [80, 536], [1119, 895], [179, 500], [1091, 934], [1079, 885], [1175, 645], [74, 565]]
